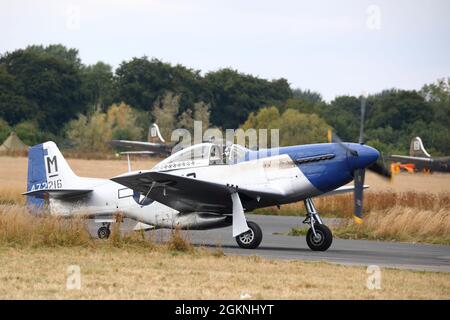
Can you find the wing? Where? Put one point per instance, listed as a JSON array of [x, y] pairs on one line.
[[142, 145], [187, 194], [409, 159], [343, 189]]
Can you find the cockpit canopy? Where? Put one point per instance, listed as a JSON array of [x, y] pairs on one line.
[[204, 154]]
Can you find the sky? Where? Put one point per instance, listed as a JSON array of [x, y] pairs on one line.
[[332, 47]]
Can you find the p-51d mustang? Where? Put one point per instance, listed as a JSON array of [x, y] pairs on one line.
[[206, 186]]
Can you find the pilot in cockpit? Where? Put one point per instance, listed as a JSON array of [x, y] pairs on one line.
[[216, 155]]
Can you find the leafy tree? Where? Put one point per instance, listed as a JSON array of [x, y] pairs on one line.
[[436, 135], [201, 113], [398, 109], [301, 128], [91, 133], [141, 81], [234, 95], [98, 85], [165, 112], [294, 127], [186, 120], [14, 107], [343, 114], [5, 130], [46, 88], [42, 88], [58, 51], [29, 133], [438, 92], [263, 119], [307, 96], [122, 120]]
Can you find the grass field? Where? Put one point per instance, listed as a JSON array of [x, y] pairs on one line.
[[36, 254], [139, 273]]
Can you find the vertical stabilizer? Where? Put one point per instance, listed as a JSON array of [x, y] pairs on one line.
[[416, 149], [47, 169], [154, 135]]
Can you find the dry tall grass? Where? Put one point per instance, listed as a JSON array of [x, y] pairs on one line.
[[342, 205], [179, 242], [401, 224], [11, 195], [18, 228], [378, 199]]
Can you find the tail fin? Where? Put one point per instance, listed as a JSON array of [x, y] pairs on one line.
[[47, 170], [154, 135], [416, 149]]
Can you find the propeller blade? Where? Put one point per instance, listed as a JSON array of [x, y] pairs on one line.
[[363, 114], [335, 138], [380, 170], [358, 194]]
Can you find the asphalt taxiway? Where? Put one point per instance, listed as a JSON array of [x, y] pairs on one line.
[[277, 245]]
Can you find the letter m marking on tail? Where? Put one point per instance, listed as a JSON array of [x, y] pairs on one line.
[[52, 167]]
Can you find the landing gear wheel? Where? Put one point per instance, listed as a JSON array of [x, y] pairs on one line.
[[323, 239], [103, 232], [250, 239]]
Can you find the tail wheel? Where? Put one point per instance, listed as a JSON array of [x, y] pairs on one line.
[[250, 239], [322, 240], [103, 233]]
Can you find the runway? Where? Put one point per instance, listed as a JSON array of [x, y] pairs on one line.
[[275, 245]]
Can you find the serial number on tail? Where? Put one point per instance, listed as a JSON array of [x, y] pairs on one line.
[[54, 184]]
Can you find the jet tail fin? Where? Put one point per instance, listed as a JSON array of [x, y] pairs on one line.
[[416, 149]]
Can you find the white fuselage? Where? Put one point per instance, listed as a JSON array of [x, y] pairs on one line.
[[278, 173]]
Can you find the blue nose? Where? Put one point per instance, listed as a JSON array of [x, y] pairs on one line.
[[365, 156]]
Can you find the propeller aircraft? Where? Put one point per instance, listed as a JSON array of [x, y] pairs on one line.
[[207, 186]]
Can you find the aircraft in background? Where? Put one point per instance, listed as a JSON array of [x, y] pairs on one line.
[[419, 160], [156, 145], [207, 186]]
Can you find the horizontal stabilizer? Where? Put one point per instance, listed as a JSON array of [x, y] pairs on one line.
[[157, 148], [137, 152], [57, 193]]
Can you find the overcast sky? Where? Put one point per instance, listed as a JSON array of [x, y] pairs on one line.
[[333, 47]]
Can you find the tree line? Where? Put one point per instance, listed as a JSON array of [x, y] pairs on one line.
[[48, 93]]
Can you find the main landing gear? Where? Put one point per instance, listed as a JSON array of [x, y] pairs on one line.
[[319, 236], [250, 239], [104, 231]]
